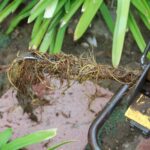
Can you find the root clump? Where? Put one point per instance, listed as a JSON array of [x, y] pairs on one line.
[[32, 69], [28, 71]]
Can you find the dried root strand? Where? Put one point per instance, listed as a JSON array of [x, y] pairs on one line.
[[25, 72]]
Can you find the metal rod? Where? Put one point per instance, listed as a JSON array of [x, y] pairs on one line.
[[147, 48], [139, 85], [102, 117]]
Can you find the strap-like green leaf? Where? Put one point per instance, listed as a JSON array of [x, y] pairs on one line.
[[22, 15], [29, 6], [85, 5], [30, 139], [136, 32], [45, 27], [36, 41], [5, 136], [38, 9], [86, 18], [53, 38], [73, 8], [37, 25], [50, 9], [16, 21], [60, 5], [59, 145], [3, 4], [48, 39], [148, 2], [145, 21], [143, 7], [9, 9], [120, 30], [59, 39], [67, 6], [56, 20], [107, 17]]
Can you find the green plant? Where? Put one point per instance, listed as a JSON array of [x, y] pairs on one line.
[[27, 140], [51, 18]]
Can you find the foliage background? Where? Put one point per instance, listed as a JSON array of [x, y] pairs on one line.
[[51, 19]]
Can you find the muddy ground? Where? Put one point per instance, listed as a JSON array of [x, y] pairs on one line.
[[116, 133]]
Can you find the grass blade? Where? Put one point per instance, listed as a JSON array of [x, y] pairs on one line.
[[49, 12], [15, 5], [47, 41], [86, 18], [147, 6], [148, 2], [22, 15], [56, 20], [120, 30], [30, 139], [37, 36], [38, 9], [107, 17], [142, 7], [9, 9], [3, 4], [53, 38], [136, 32], [85, 4], [145, 21], [59, 145], [34, 44], [16, 21], [74, 7], [67, 6], [5, 136], [60, 5], [59, 40], [36, 26], [29, 6]]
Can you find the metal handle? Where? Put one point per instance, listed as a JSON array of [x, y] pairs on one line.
[[102, 117], [145, 54]]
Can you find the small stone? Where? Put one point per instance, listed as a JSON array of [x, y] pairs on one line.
[[70, 31], [116, 141], [85, 45], [92, 41], [15, 34], [126, 145], [57, 114], [132, 129]]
